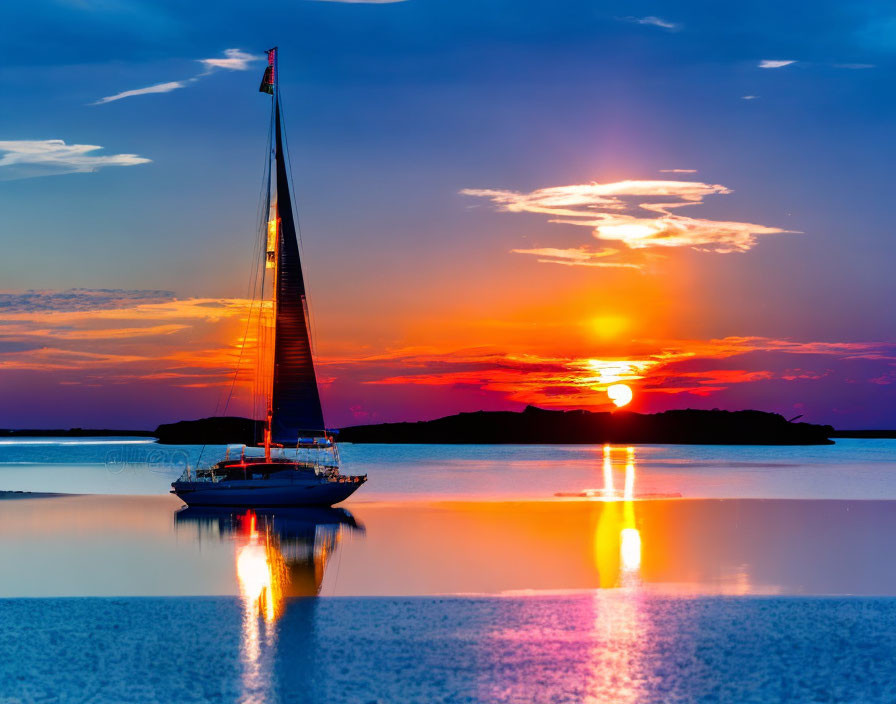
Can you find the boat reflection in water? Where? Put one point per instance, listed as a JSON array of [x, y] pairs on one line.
[[278, 554]]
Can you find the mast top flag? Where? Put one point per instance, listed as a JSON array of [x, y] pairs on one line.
[[269, 79]]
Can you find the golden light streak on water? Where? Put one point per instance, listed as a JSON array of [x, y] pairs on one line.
[[260, 572], [630, 475], [620, 627], [617, 542], [608, 490], [630, 536], [630, 549]]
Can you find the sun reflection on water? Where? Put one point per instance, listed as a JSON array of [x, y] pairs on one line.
[[617, 540], [630, 549], [260, 572], [276, 556], [619, 624], [608, 490]]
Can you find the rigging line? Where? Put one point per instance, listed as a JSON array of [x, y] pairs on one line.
[[252, 286], [264, 335], [261, 335], [257, 298], [252, 290], [238, 362], [260, 247], [242, 348]]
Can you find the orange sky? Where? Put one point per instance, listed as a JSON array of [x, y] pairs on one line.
[[178, 357]]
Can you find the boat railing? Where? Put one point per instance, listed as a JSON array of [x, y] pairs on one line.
[[348, 479]]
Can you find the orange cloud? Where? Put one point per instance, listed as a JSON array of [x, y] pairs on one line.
[[54, 359], [24, 331], [122, 335], [666, 368]]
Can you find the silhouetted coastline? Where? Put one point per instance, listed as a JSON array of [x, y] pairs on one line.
[[73, 433], [865, 434], [539, 426], [223, 430], [531, 426]]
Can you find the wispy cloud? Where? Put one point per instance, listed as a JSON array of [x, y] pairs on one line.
[[233, 60], [28, 158], [157, 88], [678, 171], [749, 97], [113, 335], [618, 212], [580, 256], [77, 299], [776, 63], [654, 21]]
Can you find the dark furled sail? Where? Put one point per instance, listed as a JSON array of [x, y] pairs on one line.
[[295, 402]]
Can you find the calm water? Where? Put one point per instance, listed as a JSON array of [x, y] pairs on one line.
[[602, 648], [457, 574], [851, 469]]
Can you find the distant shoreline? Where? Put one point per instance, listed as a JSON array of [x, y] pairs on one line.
[[503, 428], [540, 426], [73, 433], [13, 495], [865, 434]]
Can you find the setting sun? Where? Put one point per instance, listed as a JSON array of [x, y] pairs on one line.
[[620, 394]]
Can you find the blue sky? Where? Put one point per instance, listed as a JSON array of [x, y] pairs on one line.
[[393, 109]]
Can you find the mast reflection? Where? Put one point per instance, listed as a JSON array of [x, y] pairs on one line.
[[278, 554]]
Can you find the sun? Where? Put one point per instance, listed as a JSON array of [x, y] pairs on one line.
[[620, 394]]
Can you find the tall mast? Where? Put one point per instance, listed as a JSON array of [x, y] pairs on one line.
[[293, 408], [269, 85]]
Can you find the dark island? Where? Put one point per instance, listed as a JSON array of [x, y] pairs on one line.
[[539, 426], [73, 433], [865, 434], [531, 426], [223, 430]]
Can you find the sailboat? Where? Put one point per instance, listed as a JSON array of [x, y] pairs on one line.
[[300, 465]]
